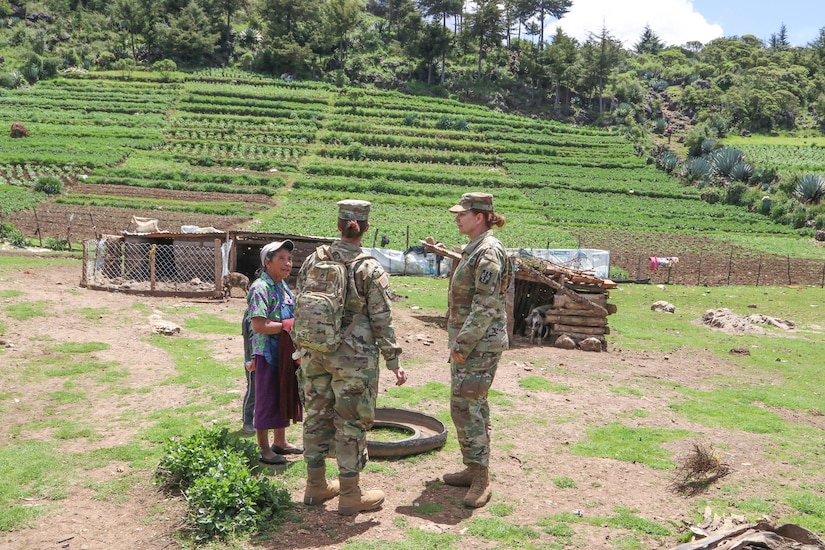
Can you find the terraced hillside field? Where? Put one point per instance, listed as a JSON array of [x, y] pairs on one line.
[[231, 150]]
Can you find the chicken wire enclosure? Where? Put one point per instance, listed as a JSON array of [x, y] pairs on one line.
[[159, 267]]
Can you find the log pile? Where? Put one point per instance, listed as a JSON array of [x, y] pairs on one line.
[[579, 299]]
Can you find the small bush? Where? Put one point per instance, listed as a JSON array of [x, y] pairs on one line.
[[445, 123], [10, 80], [50, 185], [356, 151], [214, 469], [57, 244], [13, 235], [409, 119]]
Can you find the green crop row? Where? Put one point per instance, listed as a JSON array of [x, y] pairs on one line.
[[391, 140], [423, 155], [214, 208], [180, 185], [405, 172]]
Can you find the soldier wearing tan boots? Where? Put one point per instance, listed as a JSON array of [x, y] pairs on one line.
[[477, 331], [341, 384]]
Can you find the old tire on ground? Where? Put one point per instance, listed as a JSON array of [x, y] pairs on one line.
[[426, 433]]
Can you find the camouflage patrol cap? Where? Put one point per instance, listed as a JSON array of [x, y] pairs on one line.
[[473, 201], [353, 210]]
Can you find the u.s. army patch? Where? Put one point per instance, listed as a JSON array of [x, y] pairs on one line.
[[384, 281], [485, 276]]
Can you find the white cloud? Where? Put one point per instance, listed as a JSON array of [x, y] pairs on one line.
[[674, 21]]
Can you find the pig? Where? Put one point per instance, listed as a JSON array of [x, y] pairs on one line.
[[234, 279], [536, 322]]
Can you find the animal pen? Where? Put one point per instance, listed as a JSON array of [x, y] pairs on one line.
[[187, 265]]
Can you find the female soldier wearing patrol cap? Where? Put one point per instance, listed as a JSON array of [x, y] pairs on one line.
[[477, 332], [340, 387]]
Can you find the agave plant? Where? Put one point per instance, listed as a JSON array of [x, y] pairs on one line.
[[723, 160], [742, 172], [696, 169], [810, 189], [250, 37], [707, 146], [667, 161]]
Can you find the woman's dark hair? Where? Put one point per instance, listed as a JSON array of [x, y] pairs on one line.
[[352, 229]]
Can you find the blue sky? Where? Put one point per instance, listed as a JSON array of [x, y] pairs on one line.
[[679, 21]]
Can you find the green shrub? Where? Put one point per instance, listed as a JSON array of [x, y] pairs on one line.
[[50, 185], [215, 470], [13, 235], [445, 123], [10, 80], [735, 193], [356, 151], [57, 244], [409, 119]]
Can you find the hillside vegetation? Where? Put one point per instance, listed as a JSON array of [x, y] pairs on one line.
[[283, 152]]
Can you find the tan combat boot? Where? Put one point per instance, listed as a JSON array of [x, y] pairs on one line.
[[353, 499], [319, 488], [463, 478], [480, 490]]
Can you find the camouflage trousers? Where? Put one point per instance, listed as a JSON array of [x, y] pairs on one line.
[[469, 408], [340, 389]]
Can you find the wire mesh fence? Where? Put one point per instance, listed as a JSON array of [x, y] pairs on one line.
[[151, 268]]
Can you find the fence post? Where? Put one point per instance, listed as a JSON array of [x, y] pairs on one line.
[[37, 227], [759, 270], [69, 219], [152, 268], [789, 270], [822, 284], [638, 268], [218, 267], [699, 271], [84, 282], [730, 264]]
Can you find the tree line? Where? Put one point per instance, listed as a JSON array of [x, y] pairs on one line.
[[489, 50]]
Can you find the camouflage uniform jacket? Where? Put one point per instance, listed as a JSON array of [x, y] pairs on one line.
[[477, 319], [370, 296]]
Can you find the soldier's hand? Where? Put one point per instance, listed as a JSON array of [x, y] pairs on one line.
[[457, 357], [400, 376]]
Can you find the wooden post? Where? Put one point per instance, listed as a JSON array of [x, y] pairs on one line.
[[639, 269], [94, 227], [759, 270], [730, 264], [375, 237], [152, 268], [699, 272], [789, 270], [822, 284], [69, 231], [218, 268], [84, 282], [37, 225]]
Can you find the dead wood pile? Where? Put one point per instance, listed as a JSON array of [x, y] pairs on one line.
[[579, 298]]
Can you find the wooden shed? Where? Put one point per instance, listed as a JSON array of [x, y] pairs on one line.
[[578, 299]]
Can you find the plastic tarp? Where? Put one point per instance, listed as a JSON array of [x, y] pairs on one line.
[[590, 260], [411, 263]]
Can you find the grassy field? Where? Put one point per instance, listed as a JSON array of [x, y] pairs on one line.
[[763, 405]]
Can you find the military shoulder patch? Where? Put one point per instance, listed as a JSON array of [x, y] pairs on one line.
[[384, 281], [485, 276]]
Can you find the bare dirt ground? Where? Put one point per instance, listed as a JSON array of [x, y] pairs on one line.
[[533, 431]]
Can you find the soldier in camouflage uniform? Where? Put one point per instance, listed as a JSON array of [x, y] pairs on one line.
[[341, 387], [477, 331]]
